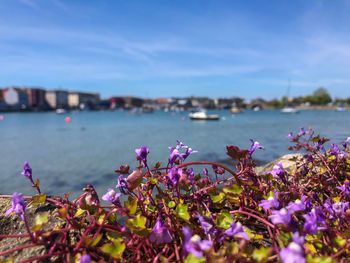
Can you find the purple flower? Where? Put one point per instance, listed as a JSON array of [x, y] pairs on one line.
[[194, 244], [111, 196], [297, 205], [85, 258], [345, 189], [190, 174], [255, 146], [236, 230], [176, 154], [160, 234], [218, 170], [281, 216], [271, 202], [278, 171], [294, 252], [122, 185], [204, 224], [205, 172], [142, 153], [302, 131], [347, 140], [334, 150], [313, 219], [328, 206], [340, 208], [18, 205], [290, 136], [27, 170], [174, 175]]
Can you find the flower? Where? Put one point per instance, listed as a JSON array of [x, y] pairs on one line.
[[340, 208], [281, 216], [27, 170], [194, 244], [85, 259], [255, 146], [345, 189], [278, 171], [312, 220], [175, 153], [111, 196], [190, 174], [174, 175], [204, 224], [18, 205], [236, 230], [294, 252], [271, 202], [297, 205], [334, 150], [218, 170], [122, 185], [142, 153], [302, 131], [290, 136], [160, 234]]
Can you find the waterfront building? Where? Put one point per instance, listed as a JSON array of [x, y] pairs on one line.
[[36, 98], [83, 100], [15, 99], [126, 102], [57, 99]]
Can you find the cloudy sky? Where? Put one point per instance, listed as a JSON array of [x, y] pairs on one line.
[[167, 48]]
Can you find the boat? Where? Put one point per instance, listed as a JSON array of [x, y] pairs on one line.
[[235, 110], [60, 111], [203, 116], [257, 108], [289, 110], [340, 109]]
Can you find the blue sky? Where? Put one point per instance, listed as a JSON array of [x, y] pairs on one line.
[[169, 48]]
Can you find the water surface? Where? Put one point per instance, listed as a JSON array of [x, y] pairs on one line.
[[67, 156]]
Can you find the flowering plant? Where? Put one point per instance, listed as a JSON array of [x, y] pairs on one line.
[[172, 213]]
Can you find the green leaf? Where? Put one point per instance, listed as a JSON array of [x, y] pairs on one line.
[[193, 259], [80, 212], [171, 204], [218, 198], [224, 220], [137, 223], [115, 249], [313, 259], [131, 204], [261, 254], [93, 241], [235, 189], [38, 199], [182, 212], [40, 220]]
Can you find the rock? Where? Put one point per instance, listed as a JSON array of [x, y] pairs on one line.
[[288, 161], [12, 224]]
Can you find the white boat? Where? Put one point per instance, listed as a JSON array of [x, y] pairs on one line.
[[60, 111], [203, 116], [289, 110], [340, 109], [234, 110], [257, 108]]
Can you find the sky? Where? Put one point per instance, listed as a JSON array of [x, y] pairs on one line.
[[165, 48]]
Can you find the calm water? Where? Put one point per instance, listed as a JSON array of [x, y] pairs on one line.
[[67, 156]]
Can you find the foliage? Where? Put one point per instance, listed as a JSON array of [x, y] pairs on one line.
[[226, 214]]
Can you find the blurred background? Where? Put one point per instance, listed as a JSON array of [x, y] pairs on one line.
[[84, 83]]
